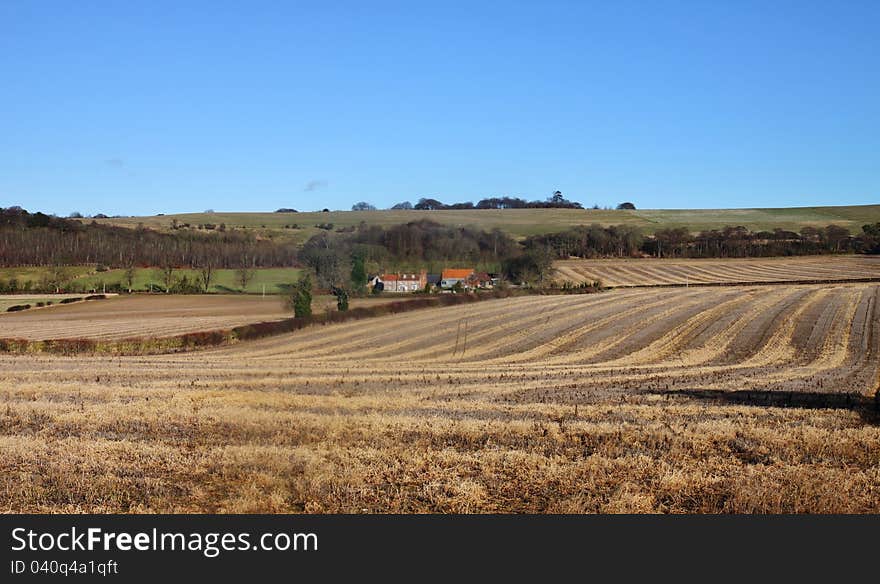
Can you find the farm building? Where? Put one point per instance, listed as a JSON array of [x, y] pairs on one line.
[[451, 277], [403, 282], [479, 280]]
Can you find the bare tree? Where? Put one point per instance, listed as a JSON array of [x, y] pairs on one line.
[[129, 275], [166, 275], [58, 276], [244, 276], [206, 275]]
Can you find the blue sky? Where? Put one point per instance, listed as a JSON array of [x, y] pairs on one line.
[[149, 107]]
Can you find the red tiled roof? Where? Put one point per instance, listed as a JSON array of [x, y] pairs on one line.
[[457, 273]]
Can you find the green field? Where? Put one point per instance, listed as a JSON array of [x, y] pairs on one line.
[[524, 222], [32, 299], [224, 280], [34, 274]]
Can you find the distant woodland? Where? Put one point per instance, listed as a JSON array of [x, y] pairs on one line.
[[36, 239], [595, 241]]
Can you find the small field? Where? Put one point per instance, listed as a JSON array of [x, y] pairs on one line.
[[653, 272], [152, 316], [700, 400], [8, 300], [140, 316], [224, 281]]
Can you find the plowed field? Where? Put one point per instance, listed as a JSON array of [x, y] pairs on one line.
[[652, 272]]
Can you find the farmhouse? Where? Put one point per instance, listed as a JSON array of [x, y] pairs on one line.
[[451, 277], [402, 282]]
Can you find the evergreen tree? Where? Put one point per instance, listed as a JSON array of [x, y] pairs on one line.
[[341, 298], [300, 298], [358, 274]]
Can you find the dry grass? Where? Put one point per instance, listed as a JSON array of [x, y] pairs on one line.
[[540, 404], [652, 272]]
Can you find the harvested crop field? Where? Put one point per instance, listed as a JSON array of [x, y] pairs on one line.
[[653, 272], [135, 316], [648, 400], [151, 316]]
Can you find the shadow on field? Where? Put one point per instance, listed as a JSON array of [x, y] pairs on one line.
[[868, 407]]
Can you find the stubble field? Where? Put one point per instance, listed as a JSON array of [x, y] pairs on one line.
[[664, 272], [154, 316], [647, 400]]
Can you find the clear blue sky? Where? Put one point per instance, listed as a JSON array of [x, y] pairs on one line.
[[148, 107]]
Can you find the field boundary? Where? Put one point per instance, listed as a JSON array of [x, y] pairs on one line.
[[219, 337]]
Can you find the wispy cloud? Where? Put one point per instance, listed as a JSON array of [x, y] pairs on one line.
[[314, 185], [115, 162]]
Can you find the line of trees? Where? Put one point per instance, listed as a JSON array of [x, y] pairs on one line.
[[36, 239], [741, 242], [554, 201], [735, 242], [589, 241]]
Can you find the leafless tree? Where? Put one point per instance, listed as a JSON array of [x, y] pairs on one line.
[[206, 274]]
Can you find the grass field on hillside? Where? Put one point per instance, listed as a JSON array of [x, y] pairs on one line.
[[524, 222]]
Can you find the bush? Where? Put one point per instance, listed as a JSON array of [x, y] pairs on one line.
[[18, 308], [341, 298], [70, 300]]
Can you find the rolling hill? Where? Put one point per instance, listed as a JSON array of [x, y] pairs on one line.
[[524, 222]]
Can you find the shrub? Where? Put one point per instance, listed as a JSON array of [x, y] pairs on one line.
[[341, 298], [18, 308]]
